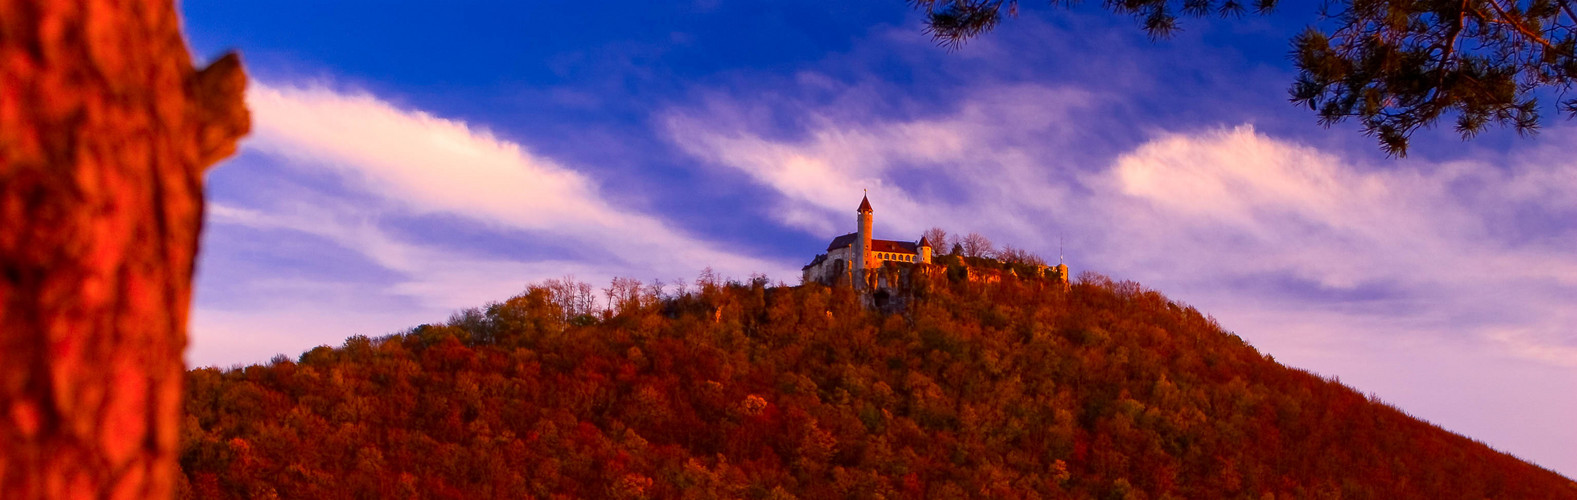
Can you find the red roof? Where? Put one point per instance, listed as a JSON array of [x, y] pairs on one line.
[[865, 205], [848, 240], [892, 246]]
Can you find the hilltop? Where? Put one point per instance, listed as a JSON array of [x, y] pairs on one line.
[[974, 388]]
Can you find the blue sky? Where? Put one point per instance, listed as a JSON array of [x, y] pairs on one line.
[[408, 161]]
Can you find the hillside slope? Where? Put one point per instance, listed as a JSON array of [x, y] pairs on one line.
[[1016, 389]]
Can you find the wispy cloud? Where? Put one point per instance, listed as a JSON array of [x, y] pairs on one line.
[[424, 164], [387, 168], [1238, 206], [922, 171]]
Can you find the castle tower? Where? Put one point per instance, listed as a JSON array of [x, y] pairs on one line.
[[1062, 270], [925, 251], [862, 246]]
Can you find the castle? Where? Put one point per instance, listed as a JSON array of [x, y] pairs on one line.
[[854, 259], [858, 251]]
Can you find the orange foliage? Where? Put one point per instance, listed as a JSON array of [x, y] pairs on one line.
[[1016, 389]]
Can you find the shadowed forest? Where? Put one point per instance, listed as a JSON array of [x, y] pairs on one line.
[[722, 389]]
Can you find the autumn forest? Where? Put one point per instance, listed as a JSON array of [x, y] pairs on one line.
[[954, 388]]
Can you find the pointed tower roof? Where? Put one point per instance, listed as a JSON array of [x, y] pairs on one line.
[[923, 242], [865, 205]]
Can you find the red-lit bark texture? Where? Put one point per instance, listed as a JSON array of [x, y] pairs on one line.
[[105, 130]]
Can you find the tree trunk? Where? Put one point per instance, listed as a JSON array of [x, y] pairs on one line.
[[105, 130]]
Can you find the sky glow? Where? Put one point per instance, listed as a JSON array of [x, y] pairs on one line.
[[406, 163]]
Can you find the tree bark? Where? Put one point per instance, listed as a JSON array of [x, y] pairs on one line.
[[105, 131]]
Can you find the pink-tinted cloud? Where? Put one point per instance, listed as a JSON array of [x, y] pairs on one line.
[[419, 163], [816, 175], [390, 164]]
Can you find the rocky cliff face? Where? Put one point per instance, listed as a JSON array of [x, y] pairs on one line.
[[105, 131]]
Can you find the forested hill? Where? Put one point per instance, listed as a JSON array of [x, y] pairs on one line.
[[1016, 389]]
